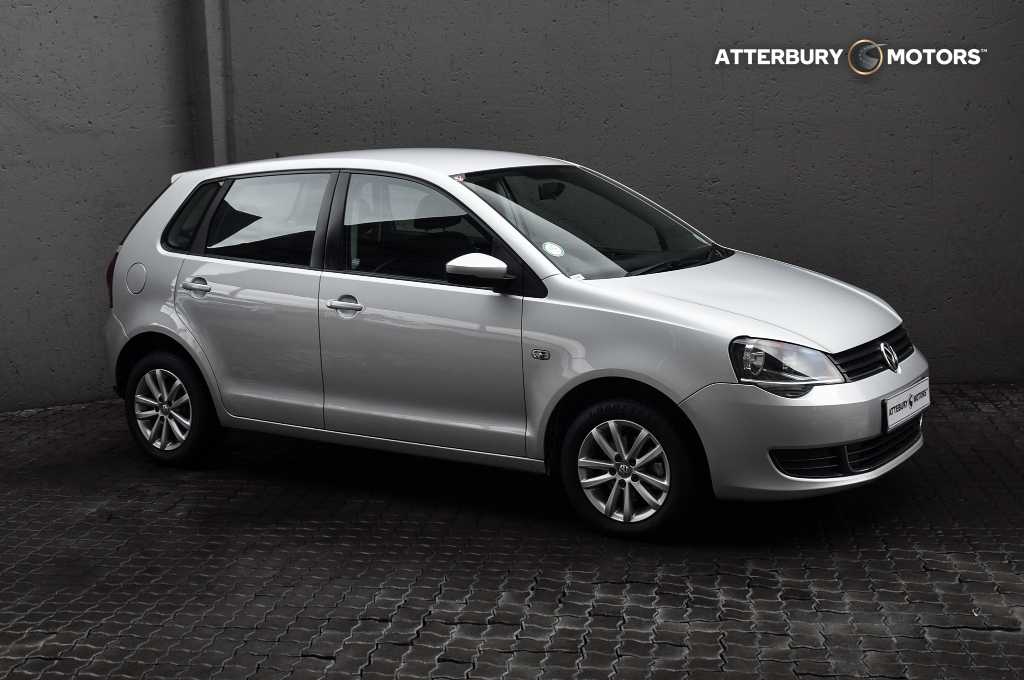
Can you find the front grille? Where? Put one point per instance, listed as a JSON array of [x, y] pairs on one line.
[[866, 360], [848, 459]]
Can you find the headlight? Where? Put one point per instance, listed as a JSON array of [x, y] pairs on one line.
[[773, 364]]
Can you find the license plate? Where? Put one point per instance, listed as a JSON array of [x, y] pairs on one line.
[[901, 407]]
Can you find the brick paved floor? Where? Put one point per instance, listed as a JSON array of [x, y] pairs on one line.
[[290, 559]]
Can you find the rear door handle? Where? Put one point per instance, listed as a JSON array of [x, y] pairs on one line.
[[345, 305], [197, 285]]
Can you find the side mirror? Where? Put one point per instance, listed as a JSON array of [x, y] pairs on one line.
[[477, 268]]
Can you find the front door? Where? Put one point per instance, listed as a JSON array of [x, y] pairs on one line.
[[249, 296], [406, 355]]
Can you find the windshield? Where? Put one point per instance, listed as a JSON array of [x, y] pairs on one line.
[[589, 227]]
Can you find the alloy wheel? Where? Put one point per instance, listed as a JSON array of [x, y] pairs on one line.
[[163, 410], [623, 470]]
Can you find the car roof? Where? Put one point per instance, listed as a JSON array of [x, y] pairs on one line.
[[443, 161]]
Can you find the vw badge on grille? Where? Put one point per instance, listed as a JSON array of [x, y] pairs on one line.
[[892, 360]]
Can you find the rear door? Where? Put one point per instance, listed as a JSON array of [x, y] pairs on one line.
[[248, 293]]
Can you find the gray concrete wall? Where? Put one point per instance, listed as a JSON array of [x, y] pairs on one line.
[[907, 183], [93, 120]]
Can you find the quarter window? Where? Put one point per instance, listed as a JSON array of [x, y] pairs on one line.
[[402, 228], [183, 227], [268, 219]]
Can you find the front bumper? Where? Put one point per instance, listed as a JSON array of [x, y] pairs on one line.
[[739, 424]]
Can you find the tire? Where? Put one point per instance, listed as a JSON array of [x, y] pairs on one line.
[[191, 425], [677, 465]]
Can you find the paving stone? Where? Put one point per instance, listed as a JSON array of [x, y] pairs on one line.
[[293, 559]]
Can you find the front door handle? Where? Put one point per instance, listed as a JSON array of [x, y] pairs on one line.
[[343, 305], [197, 285]]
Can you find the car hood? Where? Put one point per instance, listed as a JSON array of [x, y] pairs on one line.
[[746, 294]]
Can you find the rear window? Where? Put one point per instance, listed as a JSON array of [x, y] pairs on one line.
[[185, 223]]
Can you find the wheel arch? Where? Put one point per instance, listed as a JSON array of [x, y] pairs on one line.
[[609, 387], [150, 341]]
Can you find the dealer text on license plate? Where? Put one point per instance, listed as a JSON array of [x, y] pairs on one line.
[[901, 407]]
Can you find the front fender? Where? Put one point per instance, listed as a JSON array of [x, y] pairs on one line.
[[586, 343]]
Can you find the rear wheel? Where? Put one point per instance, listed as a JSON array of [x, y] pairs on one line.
[[627, 469], [168, 408]]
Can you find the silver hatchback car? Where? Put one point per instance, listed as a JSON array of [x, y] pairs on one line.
[[505, 309]]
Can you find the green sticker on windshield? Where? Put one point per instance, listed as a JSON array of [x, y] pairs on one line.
[[553, 249]]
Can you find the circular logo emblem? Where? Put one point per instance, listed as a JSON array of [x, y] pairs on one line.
[[865, 57], [892, 360]]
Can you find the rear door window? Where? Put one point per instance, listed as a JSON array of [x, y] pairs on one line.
[[268, 219]]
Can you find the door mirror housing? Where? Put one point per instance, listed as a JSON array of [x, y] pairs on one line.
[[478, 268]]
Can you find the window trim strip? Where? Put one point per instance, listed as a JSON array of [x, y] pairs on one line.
[[199, 240]]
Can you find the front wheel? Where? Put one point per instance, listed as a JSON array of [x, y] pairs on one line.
[[626, 468], [169, 411]]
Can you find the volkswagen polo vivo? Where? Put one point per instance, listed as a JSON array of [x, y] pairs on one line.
[[505, 309]]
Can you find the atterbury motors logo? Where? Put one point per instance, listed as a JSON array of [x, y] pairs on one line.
[[864, 57]]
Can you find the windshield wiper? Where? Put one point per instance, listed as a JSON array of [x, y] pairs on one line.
[[701, 256]]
